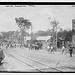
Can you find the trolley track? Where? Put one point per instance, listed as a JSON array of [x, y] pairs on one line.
[[24, 62], [30, 59]]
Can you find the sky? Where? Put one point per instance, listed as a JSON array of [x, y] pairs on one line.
[[38, 15]]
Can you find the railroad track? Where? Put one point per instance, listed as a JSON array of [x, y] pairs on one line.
[[22, 58], [24, 62]]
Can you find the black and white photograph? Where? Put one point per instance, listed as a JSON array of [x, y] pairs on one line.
[[37, 38]]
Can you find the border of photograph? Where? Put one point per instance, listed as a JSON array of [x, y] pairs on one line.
[[38, 3]]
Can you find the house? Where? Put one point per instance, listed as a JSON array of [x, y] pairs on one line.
[[27, 39], [43, 38]]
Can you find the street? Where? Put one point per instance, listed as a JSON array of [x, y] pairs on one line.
[[25, 60]]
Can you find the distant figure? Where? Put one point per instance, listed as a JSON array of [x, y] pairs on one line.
[[48, 49], [20, 45], [7, 45], [29, 46], [15, 45], [71, 51], [36, 47], [52, 49], [63, 49]]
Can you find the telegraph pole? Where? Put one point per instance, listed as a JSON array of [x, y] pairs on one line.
[[56, 37], [31, 32]]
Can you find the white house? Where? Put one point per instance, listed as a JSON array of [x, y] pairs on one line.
[[40, 38], [45, 38], [27, 38]]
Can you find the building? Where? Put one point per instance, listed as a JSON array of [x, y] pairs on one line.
[[73, 30], [27, 39], [43, 38]]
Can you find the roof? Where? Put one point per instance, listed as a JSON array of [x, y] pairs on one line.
[[61, 39], [38, 38], [43, 38]]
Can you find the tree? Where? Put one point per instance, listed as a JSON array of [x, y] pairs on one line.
[[62, 34], [7, 35], [43, 33], [54, 23], [69, 36], [23, 24], [61, 30], [65, 34]]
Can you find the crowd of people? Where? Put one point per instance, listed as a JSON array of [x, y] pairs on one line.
[[36, 46]]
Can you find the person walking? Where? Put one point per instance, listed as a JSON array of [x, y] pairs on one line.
[[71, 51], [48, 48], [63, 49], [52, 49]]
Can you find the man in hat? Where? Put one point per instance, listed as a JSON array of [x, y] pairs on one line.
[[71, 51]]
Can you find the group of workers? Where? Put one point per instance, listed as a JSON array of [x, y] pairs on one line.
[[70, 50], [51, 49]]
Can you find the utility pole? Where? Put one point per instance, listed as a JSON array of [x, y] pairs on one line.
[[56, 37], [31, 32], [1, 35], [54, 24]]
